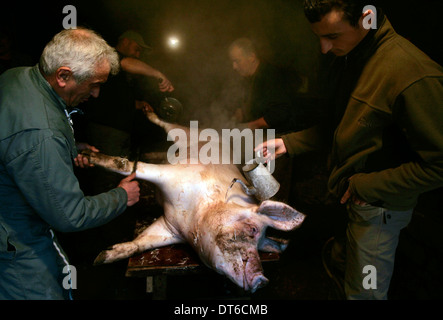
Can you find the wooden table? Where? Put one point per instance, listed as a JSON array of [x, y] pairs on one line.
[[178, 259]]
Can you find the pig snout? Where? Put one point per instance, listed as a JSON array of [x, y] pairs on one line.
[[258, 282], [254, 272]]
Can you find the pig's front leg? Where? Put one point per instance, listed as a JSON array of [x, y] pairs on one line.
[[112, 163], [156, 235], [154, 173]]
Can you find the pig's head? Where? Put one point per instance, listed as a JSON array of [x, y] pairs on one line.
[[233, 235]]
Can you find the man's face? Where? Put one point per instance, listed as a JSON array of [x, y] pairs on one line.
[[336, 34], [133, 50], [244, 64], [74, 93]]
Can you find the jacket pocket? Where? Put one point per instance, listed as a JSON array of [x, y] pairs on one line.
[[365, 213], [7, 249]]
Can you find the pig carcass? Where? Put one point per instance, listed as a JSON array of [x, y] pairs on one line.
[[225, 231]]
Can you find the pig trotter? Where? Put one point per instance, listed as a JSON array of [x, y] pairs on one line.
[[152, 116], [101, 258], [116, 252], [271, 244]]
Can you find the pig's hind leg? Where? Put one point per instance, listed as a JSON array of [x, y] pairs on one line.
[[156, 235], [167, 126]]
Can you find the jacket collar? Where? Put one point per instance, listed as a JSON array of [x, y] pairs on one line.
[[372, 40], [46, 88], [51, 94]]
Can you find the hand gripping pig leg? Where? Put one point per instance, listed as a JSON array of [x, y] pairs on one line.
[[156, 235]]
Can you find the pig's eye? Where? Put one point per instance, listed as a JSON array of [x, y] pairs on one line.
[[252, 230]]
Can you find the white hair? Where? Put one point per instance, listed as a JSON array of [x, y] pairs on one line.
[[79, 49]]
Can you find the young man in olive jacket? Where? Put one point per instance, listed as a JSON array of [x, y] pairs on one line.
[[38, 188], [385, 134]]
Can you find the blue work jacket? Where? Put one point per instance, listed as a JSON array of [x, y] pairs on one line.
[[38, 188]]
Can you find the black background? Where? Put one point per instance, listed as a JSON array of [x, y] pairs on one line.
[[200, 68]]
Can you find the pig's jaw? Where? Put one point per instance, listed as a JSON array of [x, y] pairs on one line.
[[253, 273], [250, 281], [245, 273]]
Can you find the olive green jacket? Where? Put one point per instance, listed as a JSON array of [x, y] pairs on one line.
[[38, 188], [389, 135]]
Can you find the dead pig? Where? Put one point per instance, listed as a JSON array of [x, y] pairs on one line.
[[226, 233]]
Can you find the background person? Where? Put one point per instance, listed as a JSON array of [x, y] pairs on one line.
[[269, 102], [112, 118], [268, 96]]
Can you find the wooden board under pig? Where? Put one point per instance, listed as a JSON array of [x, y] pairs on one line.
[[178, 259]]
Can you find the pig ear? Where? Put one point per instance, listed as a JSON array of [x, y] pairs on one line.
[[280, 215]]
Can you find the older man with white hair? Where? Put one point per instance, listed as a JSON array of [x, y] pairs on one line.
[[38, 189]]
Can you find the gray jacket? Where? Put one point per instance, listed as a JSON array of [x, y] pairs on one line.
[[38, 188]]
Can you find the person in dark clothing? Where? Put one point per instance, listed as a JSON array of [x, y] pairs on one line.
[[111, 118], [268, 102], [384, 134], [268, 97]]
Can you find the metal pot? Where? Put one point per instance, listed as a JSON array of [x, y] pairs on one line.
[[264, 186], [169, 109], [264, 183]]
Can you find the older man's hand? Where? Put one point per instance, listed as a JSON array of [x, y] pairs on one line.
[[82, 161]]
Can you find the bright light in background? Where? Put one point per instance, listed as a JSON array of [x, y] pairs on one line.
[[173, 42]]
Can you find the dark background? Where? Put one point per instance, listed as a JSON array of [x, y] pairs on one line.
[[200, 70], [206, 26]]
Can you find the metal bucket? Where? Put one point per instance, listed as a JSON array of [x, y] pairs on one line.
[[264, 183]]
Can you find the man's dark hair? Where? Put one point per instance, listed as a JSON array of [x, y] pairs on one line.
[[315, 10]]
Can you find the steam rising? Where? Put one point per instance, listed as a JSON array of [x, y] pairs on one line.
[[199, 67]]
